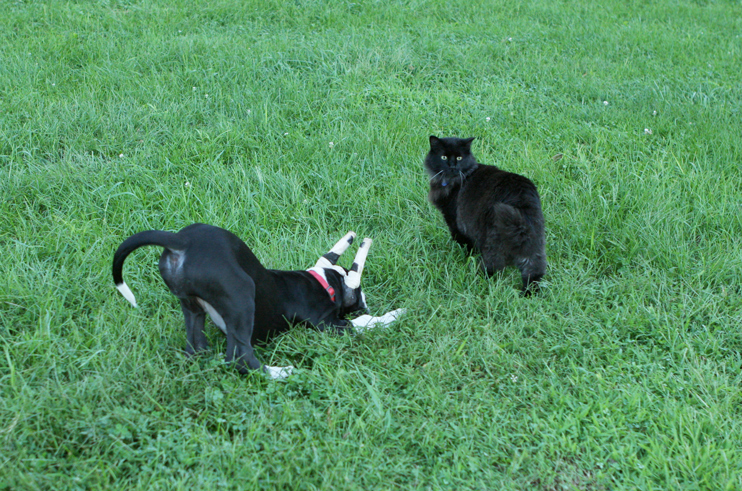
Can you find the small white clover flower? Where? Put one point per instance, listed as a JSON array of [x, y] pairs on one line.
[[605, 103], [647, 131], [487, 118], [332, 144], [121, 155], [654, 113], [187, 184], [194, 89], [285, 134], [514, 378]]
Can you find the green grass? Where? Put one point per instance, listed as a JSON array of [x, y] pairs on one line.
[[120, 116]]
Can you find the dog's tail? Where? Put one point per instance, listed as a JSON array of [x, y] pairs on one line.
[[168, 240]]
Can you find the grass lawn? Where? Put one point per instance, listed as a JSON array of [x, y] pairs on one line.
[[292, 122]]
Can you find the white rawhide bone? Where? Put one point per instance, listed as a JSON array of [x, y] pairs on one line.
[[329, 259], [353, 280], [367, 322], [278, 373]]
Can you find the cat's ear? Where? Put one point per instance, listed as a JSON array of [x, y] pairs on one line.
[[468, 141], [434, 141]]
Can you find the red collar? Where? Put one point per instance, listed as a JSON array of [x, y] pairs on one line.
[[330, 290]]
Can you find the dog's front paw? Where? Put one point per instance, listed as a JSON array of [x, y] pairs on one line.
[[278, 373], [366, 322]]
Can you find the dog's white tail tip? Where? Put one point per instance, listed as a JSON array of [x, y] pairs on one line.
[[126, 292]]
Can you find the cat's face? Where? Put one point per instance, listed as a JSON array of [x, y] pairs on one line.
[[449, 161]]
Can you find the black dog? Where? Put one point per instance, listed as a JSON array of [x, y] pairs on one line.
[[212, 271]]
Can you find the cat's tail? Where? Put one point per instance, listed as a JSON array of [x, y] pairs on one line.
[[520, 238], [511, 226]]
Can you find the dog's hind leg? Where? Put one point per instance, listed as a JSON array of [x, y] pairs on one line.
[[194, 320], [239, 344], [239, 347], [238, 312]]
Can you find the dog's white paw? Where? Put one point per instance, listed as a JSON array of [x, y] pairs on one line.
[[278, 373], [366, 322]]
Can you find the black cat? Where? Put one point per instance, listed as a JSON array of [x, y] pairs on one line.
[[488, 209]]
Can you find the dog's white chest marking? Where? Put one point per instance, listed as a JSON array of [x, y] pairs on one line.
[[213, 314]]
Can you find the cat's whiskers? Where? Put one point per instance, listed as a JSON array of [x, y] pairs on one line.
[[439, 173]]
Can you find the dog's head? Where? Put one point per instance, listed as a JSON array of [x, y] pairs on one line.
[[349, 294]]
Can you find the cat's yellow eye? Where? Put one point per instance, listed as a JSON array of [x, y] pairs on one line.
[[459, 158], [444, 157]]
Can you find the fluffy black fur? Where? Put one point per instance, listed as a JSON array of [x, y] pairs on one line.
[[495, 212]]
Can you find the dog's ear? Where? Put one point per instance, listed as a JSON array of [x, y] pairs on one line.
[[353, 299], [331, 258], [353, 280], [346, 299]]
